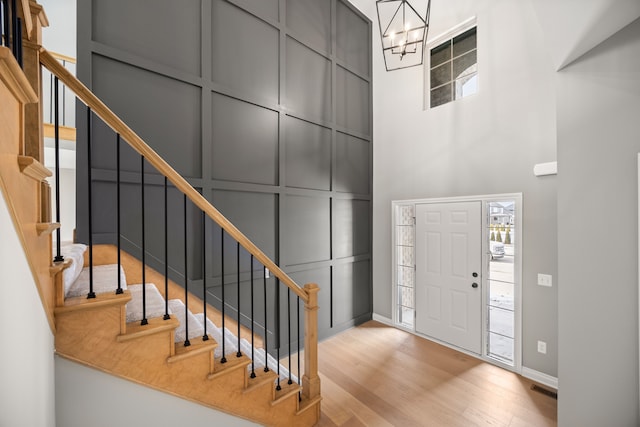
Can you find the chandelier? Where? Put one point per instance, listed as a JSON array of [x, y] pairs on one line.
[[403, 31]]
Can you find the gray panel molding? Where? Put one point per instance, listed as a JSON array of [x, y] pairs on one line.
[[261, 123], [151, 41]]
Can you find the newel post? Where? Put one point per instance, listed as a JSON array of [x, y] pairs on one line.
[[34, 19], [310, 379]]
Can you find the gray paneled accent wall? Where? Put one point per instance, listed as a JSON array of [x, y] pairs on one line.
[[265, 108]]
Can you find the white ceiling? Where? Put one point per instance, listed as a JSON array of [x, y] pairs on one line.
[[574, 27]]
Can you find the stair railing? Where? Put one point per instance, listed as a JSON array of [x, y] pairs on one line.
[[11, 28], [309, 381]]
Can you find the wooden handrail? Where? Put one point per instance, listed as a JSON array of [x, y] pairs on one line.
[[62, 57], [117, 125]]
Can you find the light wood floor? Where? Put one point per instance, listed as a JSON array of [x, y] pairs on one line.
[[375, 375]]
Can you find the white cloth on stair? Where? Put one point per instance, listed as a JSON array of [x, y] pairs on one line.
[[230, 341], [75, 252], [231, 346], [155, 305], [196, 327], [105, 280], [273, 363]]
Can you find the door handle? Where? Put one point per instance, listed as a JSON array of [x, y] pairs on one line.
[[474, 285]]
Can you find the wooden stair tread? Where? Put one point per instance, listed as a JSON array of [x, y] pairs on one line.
[[101, 300], [33, 168], [66, 133], [306, 404], [233, 363], [198, 346], [46, 227], [155, 325], [59, 266], [286, 390], [261, 379]]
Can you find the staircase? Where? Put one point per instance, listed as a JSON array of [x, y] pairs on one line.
[[105, 333], [104, 312]]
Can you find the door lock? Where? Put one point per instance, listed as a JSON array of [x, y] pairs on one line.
[[474, 285], [475, 274]]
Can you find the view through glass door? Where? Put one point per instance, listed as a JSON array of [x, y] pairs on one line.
[[501, 307]]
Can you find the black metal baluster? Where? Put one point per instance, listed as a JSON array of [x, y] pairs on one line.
[[56, 129], [266, 331], [186, 279], [19, 40], [2, 23], [14, 27], [51, 97], [278, 361], [205, 337], [238, 353], [91, 294], [166, 255], [253, 364], [289, 329], [144, 266], [224, 357], [118, 214], [64, 102], [6, 23], [278, 337]]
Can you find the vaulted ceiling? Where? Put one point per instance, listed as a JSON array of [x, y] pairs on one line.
[[571, 27], [574, 27]]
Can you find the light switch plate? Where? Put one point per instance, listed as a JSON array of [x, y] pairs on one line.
[[545, 280], [542, 347]]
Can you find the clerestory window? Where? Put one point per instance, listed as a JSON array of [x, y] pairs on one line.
[[453, 70]]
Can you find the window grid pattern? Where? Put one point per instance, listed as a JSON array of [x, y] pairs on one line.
[[454, 68]]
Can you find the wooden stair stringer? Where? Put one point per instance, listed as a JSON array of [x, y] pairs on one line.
[[90, 332]]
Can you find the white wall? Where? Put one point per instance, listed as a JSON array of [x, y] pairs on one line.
[[26, 360], [60, 37], [487, 143], [88, 397], [598, 143]]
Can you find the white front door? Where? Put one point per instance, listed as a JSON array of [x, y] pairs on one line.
[[449, 273]]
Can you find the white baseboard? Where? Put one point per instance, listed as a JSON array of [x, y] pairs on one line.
[[540, 377], [382, 319]]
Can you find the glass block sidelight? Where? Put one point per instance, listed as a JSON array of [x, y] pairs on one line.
[[405, 256], [405, 296], [405, 235], [406, 276], [406, 316], [405, 264], [405, 215]]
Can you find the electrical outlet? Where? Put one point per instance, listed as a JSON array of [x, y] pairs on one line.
[[542, 347], [545, 280]]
